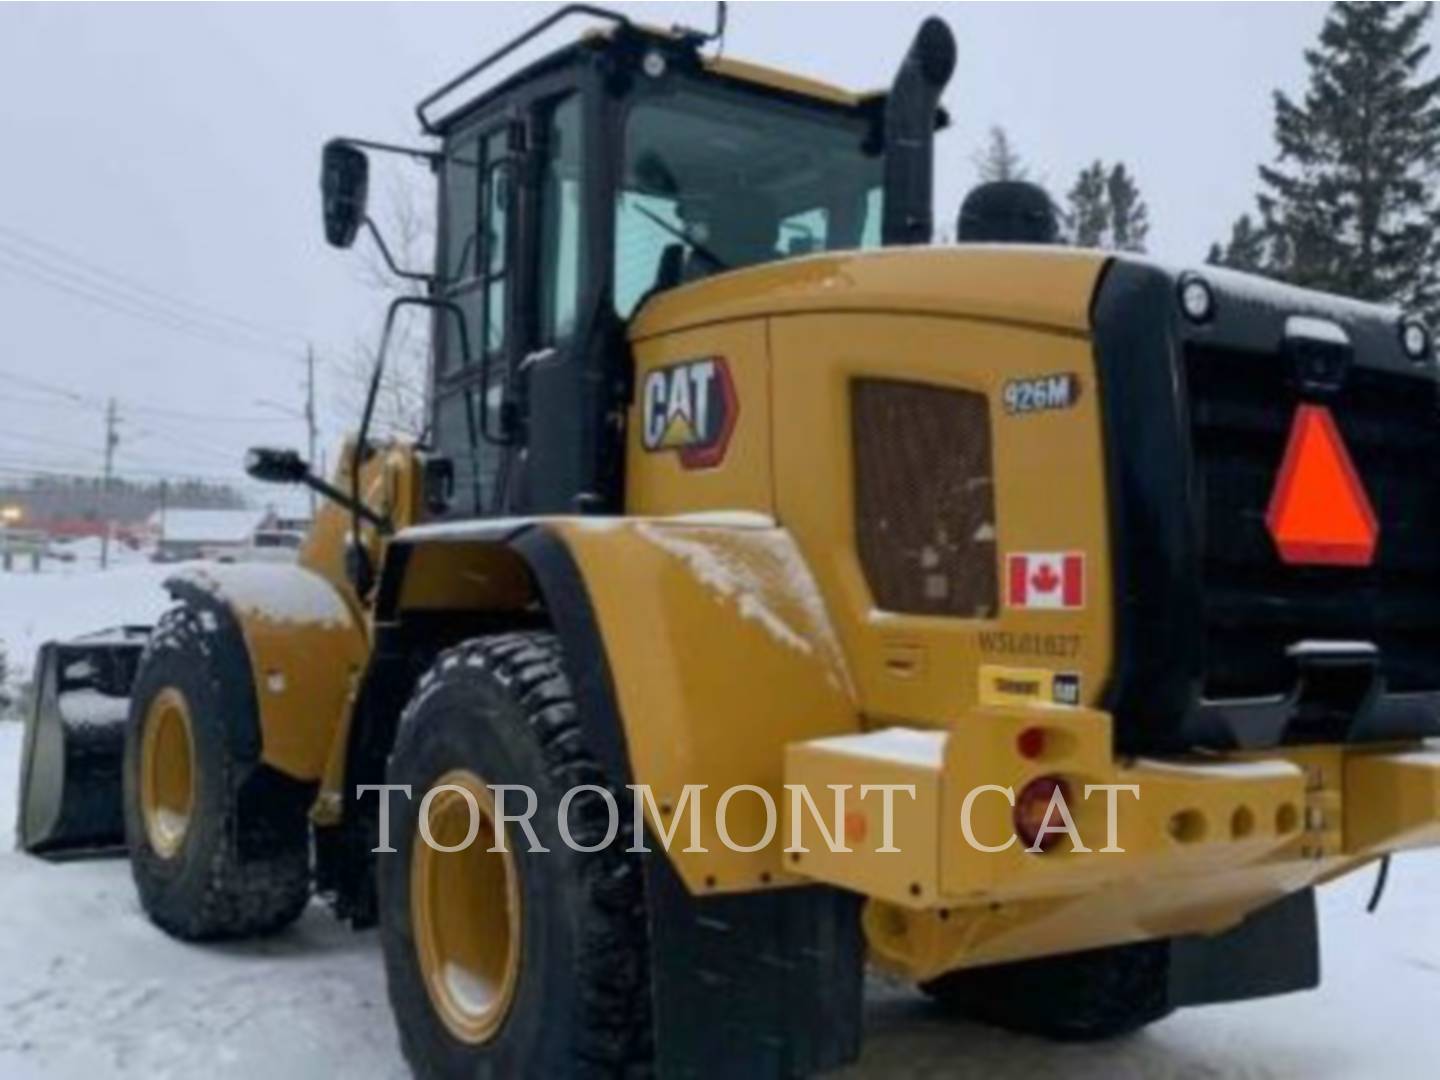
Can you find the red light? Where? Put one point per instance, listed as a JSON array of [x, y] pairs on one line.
[[856, 827], [1031, 806], [1030, 743], [1319, 514]]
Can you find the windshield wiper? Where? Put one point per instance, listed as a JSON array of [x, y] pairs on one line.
[[685, 238]]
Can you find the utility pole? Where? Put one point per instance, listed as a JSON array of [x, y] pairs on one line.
[[112, 439], [310, 414]]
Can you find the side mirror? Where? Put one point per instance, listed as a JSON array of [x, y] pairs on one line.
[[276, 466], [344, 184]]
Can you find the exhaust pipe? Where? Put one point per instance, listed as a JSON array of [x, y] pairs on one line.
[[911, 109]]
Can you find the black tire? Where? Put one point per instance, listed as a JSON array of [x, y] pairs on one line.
[[501, 707], [243, 866], [1077, 997]]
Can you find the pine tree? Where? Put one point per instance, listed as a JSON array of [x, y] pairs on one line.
[[1129, 216], [999, 160], [1246, 249], [1351, 203], [1105, 209], [1088, 214]]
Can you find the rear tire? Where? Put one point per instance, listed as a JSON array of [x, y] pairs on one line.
[[220, 848], [576, 1001], [1077, 997]]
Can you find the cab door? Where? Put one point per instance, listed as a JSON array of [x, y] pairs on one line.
[[475, 256], [509, 256]]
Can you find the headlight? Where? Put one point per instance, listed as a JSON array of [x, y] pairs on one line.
[[1196, 299], [1415, 340]]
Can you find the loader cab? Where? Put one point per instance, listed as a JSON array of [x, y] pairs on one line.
[[629, 163], [618, 168]]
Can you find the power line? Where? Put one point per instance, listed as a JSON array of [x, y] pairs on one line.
[[134, 285], [111, 300], [204, 418], [44, 440], [46, 403], [47, 388], [189, 445], [79, 399], [58, 470]]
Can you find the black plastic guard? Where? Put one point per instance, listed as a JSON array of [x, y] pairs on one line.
[[766, 984], [1274, 951]]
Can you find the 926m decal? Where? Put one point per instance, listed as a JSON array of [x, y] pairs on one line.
[[1042, 393]]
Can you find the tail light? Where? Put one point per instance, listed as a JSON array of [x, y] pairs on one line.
[[1031, 807]]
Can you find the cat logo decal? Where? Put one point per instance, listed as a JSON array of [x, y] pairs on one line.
[[690, 408]]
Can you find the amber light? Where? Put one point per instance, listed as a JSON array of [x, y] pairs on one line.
[[1030, 807], [1319, 514]]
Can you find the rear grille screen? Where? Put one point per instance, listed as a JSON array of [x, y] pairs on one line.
[[925, 498], [1241, 408]]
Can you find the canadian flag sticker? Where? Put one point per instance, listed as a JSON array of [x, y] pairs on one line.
[[1054, 580]]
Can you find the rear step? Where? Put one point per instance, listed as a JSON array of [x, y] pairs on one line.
[[70, 765]]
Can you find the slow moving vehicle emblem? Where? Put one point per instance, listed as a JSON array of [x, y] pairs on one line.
[[1320, 514]]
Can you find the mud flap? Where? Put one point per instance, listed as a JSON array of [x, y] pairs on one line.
[[755, 985], [1276, 950], [74, 749]]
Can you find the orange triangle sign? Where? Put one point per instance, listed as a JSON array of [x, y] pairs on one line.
[[1319, 513]]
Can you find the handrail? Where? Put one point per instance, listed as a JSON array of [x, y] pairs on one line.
[[505, 50]]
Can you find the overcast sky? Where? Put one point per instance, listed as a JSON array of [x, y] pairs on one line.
[[177, 147]]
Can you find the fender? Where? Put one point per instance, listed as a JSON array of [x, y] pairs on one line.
[[698, 646], [306, 646]]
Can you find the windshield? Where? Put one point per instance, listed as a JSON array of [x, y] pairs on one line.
[[715, 181]]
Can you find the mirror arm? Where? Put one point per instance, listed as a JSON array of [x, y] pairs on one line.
[[430, 157], [357, 508], [353, 502], [408, 275]]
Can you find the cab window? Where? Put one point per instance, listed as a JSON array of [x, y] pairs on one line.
[[715, 180], [560, 222]]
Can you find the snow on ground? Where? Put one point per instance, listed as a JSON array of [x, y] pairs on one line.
[[68, 599], [88, 987]]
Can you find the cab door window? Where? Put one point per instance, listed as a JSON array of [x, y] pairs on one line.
[[475, 259]]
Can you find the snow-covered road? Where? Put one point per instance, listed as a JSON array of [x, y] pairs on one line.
[[88, 988]]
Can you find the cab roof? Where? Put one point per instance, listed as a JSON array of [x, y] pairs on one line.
[[630, 37]]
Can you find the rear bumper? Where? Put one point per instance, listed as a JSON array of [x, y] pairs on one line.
[[1191, 846]]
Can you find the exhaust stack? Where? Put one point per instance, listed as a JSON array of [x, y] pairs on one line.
[[910, 114]]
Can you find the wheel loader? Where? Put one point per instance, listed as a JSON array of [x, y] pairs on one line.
[[735, 484]]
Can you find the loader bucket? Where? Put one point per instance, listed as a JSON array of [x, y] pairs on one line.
[[71, 761]]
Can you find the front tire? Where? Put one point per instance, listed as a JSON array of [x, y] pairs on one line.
[[1077, 997], [523, 964], [219, 845]]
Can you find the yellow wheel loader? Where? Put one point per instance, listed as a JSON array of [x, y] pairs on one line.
[[1100, 602]]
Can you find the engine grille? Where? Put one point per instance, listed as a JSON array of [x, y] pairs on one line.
[[1241, 409], [925, 498]]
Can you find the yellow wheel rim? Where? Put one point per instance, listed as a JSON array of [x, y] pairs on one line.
[[465, 913], [167, 772]]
